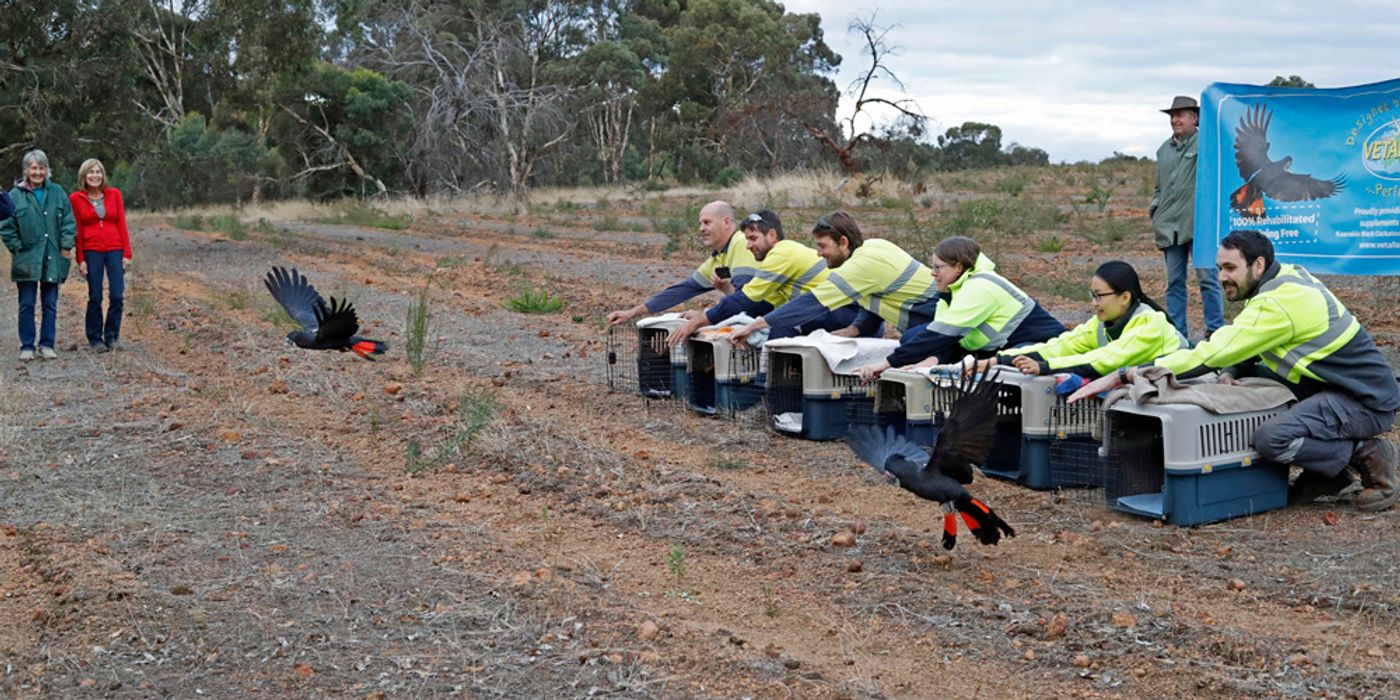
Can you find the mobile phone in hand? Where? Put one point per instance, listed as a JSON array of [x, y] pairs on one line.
[[722, 273]]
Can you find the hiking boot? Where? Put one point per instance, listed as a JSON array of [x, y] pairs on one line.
[[1374, 460], [1310, 486], [47, 353], [26, 354], [99, 347]]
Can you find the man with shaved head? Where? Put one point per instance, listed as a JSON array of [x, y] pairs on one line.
[[728, 267]]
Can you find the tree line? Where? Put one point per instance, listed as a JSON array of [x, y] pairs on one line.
[[212, 101]]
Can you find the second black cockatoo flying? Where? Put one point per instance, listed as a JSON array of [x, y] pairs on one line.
[[1265, 177], [963, 443], [323, 327]]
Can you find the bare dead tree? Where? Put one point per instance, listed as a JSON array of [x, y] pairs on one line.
[[610, 127], [858, 126], [163, 45], [481, 100], [333, 154]]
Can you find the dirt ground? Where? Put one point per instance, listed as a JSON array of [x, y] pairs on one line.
[[207, 513]]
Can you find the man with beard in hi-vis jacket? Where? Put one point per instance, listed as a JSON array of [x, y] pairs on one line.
[[1294, 331], [786, 269], [885, 281]]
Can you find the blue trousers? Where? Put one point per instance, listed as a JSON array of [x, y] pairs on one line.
[[1213, 306], [46, 293], [105, 264]]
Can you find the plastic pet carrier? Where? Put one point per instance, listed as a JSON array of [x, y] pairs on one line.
[[723, 380], [904, 400], [648, 367], [806, 399], [1187, 466]]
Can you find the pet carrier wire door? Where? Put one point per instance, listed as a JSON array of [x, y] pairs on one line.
[[805, 398], [1057, 444], [639, 362], [1182, 464]]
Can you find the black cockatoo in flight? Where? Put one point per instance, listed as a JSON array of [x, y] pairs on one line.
[[963, 443], [323, 327], [1264, 177]]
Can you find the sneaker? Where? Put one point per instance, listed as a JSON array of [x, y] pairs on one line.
[[99, 347], [26, 354], [47, 353], [113, 344]]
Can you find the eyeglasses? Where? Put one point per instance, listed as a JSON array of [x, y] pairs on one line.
[[1095, 296], [822, 225]]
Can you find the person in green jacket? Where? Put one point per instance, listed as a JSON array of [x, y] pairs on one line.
[[978, 313], [1173, 214], [40, 237], [1128, 328], [1294, 331]]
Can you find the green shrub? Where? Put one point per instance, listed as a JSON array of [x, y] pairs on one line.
[[729, 175], [534, 301], [608, 223], [417, 327], [229, 225], [356, 212], [187, 222]]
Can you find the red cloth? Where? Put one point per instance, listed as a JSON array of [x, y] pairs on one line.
[[100, 235]]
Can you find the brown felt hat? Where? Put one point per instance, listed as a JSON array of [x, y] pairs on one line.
[[1182, 102]]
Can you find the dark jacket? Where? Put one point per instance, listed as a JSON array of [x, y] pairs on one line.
[[36, 234]]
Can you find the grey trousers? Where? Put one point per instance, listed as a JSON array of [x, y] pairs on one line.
[[1320, 432]]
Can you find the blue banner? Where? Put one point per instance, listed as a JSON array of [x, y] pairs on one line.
[[1317, 171]]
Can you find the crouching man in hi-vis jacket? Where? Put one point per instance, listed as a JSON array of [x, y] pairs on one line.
[[1294, 331]]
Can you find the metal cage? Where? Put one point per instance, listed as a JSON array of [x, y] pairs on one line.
[[639, 362]]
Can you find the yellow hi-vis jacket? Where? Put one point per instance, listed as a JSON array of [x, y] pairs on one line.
[[1147, 334], [883, 279], [788, 269], [735, 256], [1292, 321], [985, 308]]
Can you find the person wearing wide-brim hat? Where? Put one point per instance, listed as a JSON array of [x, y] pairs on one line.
[[1173, 213], [1184, 102]]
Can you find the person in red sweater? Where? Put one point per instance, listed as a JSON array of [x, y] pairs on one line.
[[104, 249]]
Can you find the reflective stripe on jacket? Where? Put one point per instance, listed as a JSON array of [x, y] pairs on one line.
[[735, 256], [882, 278], [985, 309], [1146, 335], [788, 269]]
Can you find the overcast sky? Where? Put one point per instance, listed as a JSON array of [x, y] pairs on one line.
[[1082, 79]]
